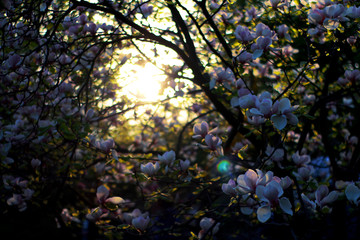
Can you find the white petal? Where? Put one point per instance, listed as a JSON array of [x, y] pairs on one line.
[[352, 193], [333, 195], [102, 192], [260, 192], [307, 201], [246, 210], [284, 104], [212, 83], [256, 112], [279, 121], [263, 213], [257, 53], [285, 205], [115, 200]]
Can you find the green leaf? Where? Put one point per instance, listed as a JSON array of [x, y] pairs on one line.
[[309, 116], [66, 132]]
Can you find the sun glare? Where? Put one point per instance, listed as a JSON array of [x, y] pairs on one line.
[[145, 84]]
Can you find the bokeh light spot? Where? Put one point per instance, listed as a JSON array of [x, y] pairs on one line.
[[223, 166]]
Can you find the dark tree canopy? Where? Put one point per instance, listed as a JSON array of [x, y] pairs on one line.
[[169, 119]]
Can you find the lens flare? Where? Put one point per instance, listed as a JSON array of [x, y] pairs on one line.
[[224, 166]]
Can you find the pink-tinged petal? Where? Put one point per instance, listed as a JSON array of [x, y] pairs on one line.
[[141, 222], [102, 193], [115, 200], [206, 223], [271, 193], [285, 205], [263, 213], [240, 180], [279, 121], [228, 188], [251, 178], [204, 127], [231, 183], [268, 177], [352, 193], [286, 182]]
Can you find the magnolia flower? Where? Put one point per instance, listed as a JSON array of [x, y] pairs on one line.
[[263, 30], [283, 114], [256, 120], [206, 224], [316, 16], [128, 217], [102, 194], [302, 160], [262, 44], [184, 165], [352, 193], [167, 158], [250, 204], [251, 14], [282, 31], [303, 173], [83, 19], [66, 216], [13, 61], [95, 214], [106, 145], [140, 222], [17, 200], [285, 182], [247, 101], [146, 10], [275, 3], [201, 130], [352, 39], [91, 28], [353, 140], [323, 196], [353, 75], [243, 34], [270, 195], [248, 182], [334, 11], [213, 143], [275, 155], [150, 168], [353, 12], [226, 77], [27, 193], [244, 57], [229, 188], [35, 162]]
